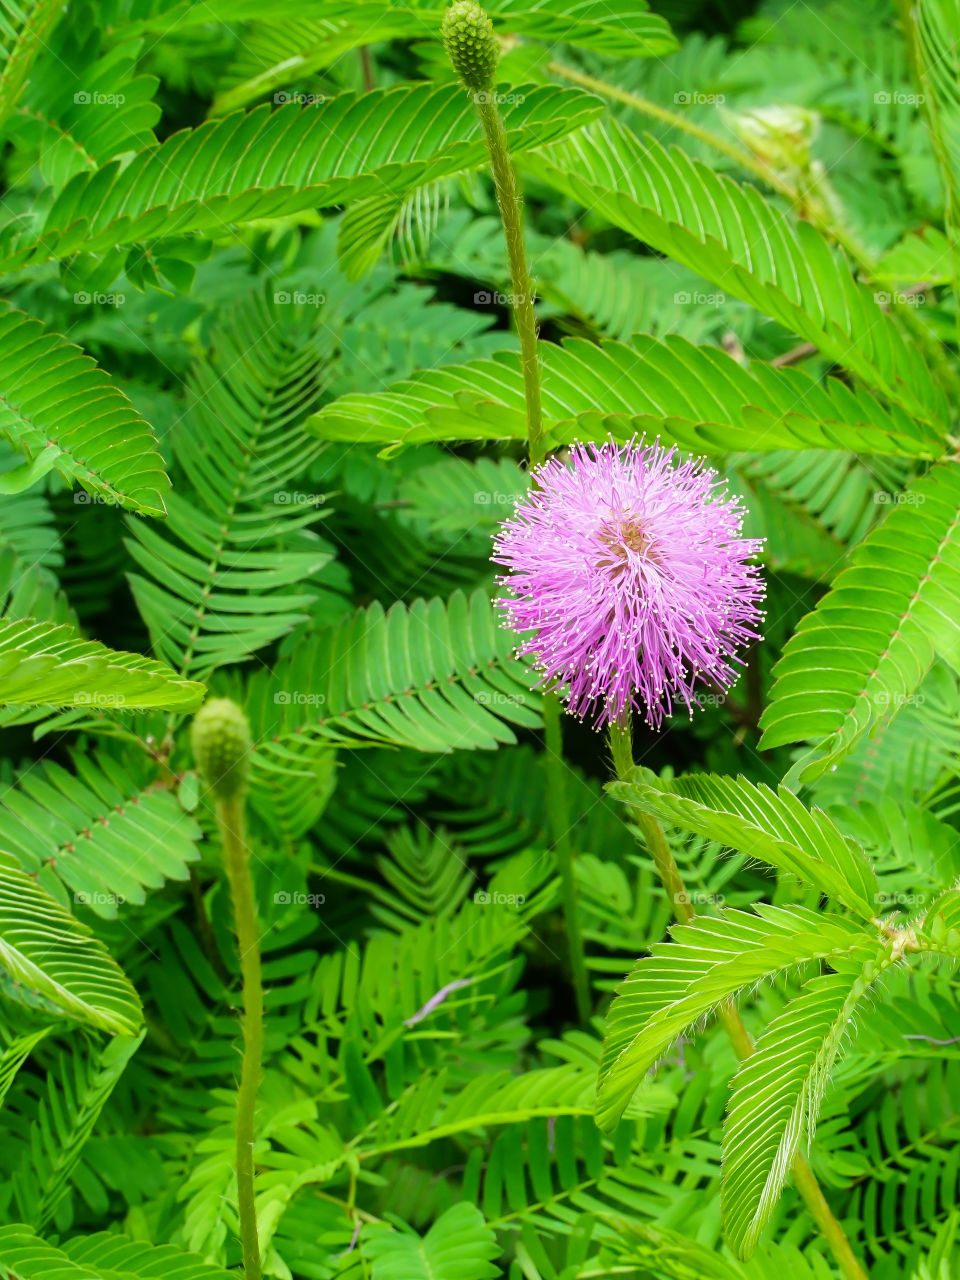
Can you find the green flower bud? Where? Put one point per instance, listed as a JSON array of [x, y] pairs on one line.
[[220, 738], [470, 44]]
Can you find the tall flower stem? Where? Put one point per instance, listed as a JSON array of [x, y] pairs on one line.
[[508, 200], [220, 737], [472, 48], [231, 819], [804, 1179]]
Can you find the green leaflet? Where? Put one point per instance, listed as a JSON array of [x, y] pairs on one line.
[[459, 1246], [874, 636], [66, 414], [436, 676], [44, 665], [48, 954], [237, 563], [770, 826], [699, 397], [733, 236], [25, 1256], [101, 832], [778, 1090], [623, 28], [264, 164], [706, 962]]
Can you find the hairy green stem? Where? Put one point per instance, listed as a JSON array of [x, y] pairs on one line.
[[804, 1178], [231, 819], [508, 199]]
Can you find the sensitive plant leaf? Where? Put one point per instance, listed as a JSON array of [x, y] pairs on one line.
[[707, 961], [874, 636], [15, 1054], [619, 28], [236, 564], [76, 1092], [272, 164], [731, 235], [435, 676], [778, 1091], [25, 1256], [773, 827], [44, 665], [458, 1246], [48, 953], [701, 398], [101, 830], [24, 27], [66, 414]]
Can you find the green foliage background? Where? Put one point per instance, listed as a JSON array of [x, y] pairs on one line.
[[261, 410]]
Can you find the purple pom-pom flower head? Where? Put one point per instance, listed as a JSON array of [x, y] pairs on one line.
[[629, 568]]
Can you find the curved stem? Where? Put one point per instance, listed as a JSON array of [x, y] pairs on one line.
[[231, 819], [804, 1178]]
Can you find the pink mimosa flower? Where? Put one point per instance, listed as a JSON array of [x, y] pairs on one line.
[[629, 569]]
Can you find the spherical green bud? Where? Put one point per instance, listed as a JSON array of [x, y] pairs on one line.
[[470, 44], [220, 738]]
